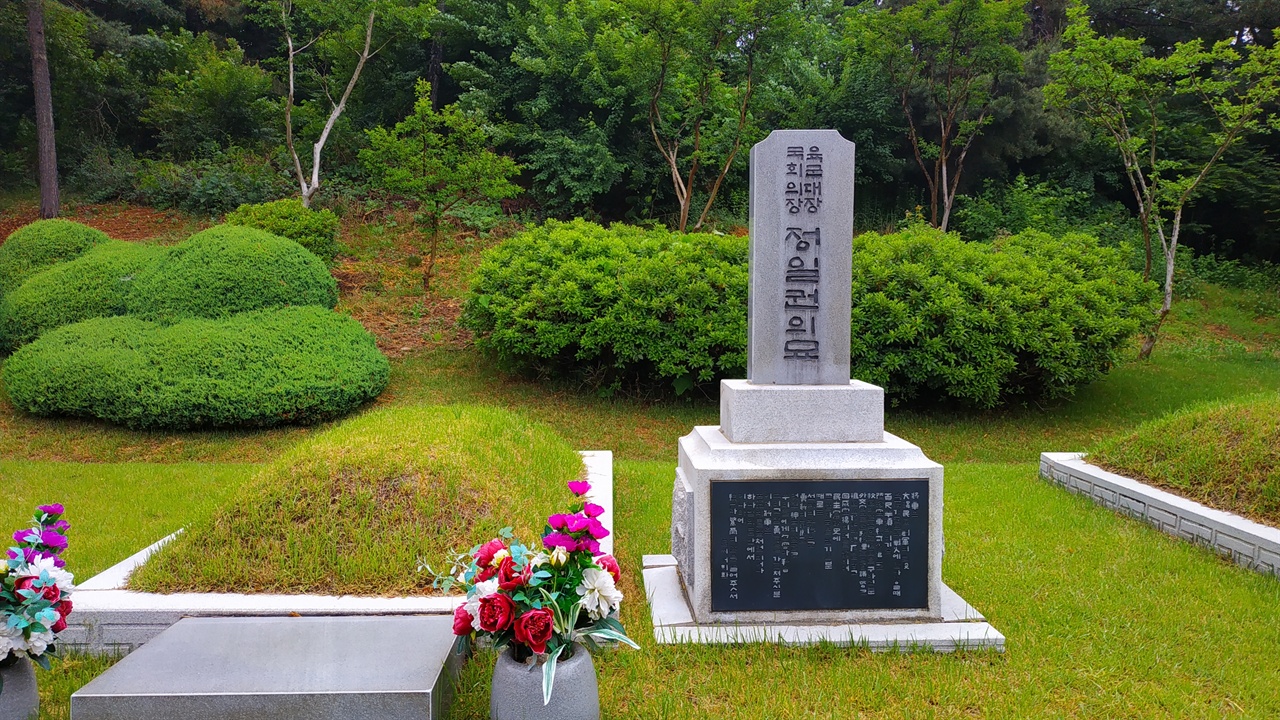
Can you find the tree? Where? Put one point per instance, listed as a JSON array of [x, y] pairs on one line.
[[47, 163], [440, 159], [332, 24], [944, 61], [698, 65], [1130, 95]]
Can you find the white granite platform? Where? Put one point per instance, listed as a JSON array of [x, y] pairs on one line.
[[961, 626]]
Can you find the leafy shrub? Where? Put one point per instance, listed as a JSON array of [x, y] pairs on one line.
[[613, 306], [34, 247], [95, 284], [314, 230], [227, 269], [296, 365], [433, 474], [999, 211], [1029, 317]]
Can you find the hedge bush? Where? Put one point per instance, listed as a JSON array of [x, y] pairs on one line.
[[96, 284], [934, 319], [613, 307], [43, 243], [314, 230], [1029, 317], [226, 270], [296, 365]]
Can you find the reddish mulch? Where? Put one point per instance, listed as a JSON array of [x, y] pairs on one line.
[[122, 222]]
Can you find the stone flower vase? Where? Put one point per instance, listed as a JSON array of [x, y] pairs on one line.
[[517, 689], [18, 697]]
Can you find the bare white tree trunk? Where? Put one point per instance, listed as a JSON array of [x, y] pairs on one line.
[[308, 187]]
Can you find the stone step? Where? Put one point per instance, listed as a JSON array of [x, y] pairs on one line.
[[301, 668]]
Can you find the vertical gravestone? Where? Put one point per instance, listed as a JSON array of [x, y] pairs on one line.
[[798, 507]]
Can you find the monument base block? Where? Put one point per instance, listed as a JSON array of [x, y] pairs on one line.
[[807, 532], [752, 413], [961, 626]]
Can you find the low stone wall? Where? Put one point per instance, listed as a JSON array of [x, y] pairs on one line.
[[1247, 543], [111, 620]]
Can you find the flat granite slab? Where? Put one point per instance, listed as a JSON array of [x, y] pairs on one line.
[[301, 668], [961, 626]]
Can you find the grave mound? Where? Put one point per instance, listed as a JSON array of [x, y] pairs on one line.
[[355, 509]]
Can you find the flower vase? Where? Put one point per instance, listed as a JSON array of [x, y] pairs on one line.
[[517, 689], [18, 697]]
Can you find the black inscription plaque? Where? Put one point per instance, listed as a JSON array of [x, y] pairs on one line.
[[819, 545]]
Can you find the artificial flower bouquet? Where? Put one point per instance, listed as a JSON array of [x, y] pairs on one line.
[[35, 589], [542, 601]]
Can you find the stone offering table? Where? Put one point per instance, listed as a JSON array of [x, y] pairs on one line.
[[316, 668]]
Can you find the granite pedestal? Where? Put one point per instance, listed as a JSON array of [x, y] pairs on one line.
[[315, 668]]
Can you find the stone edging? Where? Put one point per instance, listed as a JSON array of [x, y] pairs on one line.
[[1247, 543], [111, 620]]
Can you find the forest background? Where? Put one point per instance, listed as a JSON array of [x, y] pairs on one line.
[[635, 110]]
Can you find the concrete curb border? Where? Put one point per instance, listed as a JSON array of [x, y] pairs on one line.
[[1247, 543], [109, 620]]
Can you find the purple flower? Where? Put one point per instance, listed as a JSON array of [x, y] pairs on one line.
[[597, 530], [579, 487], [27, 554], [21, 536], [62, 526], [589, 545], [53, 539], [592, 510], [578, 523], [555, 540], [54, 509], [559, 521]]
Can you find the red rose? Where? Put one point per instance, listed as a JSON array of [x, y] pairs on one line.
[[63, 607], [462, 621], [24, 583], [610, 565], [484, 556], [496, 612], [509, 578], [534, 629], [52, 593], [60, 625], [485, 573]]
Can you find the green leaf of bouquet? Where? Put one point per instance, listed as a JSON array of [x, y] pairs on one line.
[[549, 675], [608, 634]]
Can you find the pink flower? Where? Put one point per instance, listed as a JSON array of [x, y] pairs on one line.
[[484, 556], [592, 510], [496, 612], [609, 564], [555, 540], [597, 530], [559, 521], [578, 523], [579, 487]]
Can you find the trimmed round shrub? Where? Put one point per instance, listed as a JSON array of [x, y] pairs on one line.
[[294, 365], [936, 319], [96, 284], [354, 509], [315, 230], [229, 269], [613, 307], [34, 247]]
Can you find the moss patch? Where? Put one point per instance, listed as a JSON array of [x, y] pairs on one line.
[[355, 509], [1225, 455]]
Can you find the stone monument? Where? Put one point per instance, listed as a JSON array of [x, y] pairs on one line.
[[799, 507]]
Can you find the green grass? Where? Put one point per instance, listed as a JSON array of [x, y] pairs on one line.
[[1224, 454], [114, 510], [353, 510], [1105, 618]]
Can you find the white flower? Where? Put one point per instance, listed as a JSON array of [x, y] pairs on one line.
[[64, 579], [11, 640], [559, 556], [599, 595], [481, 590], [38, 642], [540, 559]]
